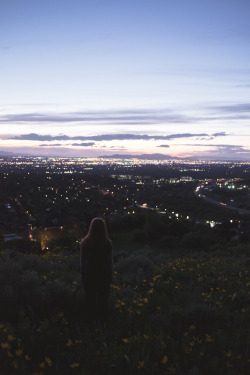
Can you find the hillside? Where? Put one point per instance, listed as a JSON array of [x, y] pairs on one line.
[[171, 311]]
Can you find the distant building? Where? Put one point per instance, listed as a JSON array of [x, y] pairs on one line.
[[186, 179]]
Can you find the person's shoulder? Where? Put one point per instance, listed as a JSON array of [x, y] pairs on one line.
[[84, 241]]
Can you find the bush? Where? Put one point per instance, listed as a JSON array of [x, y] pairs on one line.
[[135, 268], [194, 240], [24, 246], [139, 235], [168, 242]]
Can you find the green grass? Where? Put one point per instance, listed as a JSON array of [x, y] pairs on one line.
[[167, 315]]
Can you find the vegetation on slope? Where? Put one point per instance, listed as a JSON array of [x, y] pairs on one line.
[[171, 312]]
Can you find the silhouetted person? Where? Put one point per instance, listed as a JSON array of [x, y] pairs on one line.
[[96, 259]]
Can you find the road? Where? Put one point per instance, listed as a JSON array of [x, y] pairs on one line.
[[199, 193]]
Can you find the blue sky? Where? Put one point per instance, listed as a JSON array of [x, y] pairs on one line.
[[89, 78]]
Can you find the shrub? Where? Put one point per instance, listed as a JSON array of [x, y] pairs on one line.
[[135, 268], [194, 240]]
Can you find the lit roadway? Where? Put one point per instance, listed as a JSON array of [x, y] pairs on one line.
[[199, 193]]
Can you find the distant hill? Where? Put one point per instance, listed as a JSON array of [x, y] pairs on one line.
[[142, 156], [9, 154], [6, 153]]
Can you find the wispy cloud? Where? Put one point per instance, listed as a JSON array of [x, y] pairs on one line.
[[83, 144], [132, 116], [111, 137], [223, 148], [51, 145], [234, 108], [166, 146], [125, 117]]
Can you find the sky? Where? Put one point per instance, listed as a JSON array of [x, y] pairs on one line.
[[92, 78]]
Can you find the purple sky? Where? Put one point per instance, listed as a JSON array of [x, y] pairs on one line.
[[89, 78]]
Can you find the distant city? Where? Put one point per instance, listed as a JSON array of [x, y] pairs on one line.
[[43, 197]]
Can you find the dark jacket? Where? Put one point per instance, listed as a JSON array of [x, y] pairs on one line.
[[96, 261]]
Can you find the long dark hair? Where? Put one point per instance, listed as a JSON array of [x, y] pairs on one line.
[[97, 230]]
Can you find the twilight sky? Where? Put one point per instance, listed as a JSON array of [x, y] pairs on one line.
[[89, 78]]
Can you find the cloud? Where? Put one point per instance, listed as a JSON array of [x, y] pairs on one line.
[[112, 137], [233, 149], [84, 144], [39, 137], [236, 108], [118, 147], [164, 146], [132, 116], [51, 145], [122, 117], [223, 148], [220, 134], [231, 112]]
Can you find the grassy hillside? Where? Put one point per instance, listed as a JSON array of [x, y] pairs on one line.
[[171, 312]]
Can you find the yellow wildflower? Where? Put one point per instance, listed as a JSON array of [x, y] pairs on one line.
[[5, 345], [164, 360], [229, 353], [209, 338], [192, 327], [74, 365], [125, 340], [48, 361], [140, 365], [27, 357], [42, 365], [15, 364], [19, 352], [145, 300], [69, 343], [11, 338]]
